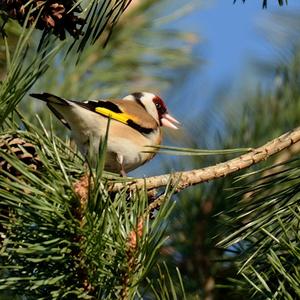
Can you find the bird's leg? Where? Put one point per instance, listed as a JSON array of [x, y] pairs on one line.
[[122, 172], [120, 159]]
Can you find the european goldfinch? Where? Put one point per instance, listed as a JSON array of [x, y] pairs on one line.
[[135, 123]]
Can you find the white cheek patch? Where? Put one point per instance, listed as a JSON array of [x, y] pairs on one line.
[[147, 100]]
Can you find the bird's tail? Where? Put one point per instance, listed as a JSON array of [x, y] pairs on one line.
[[50, 98], [55, 104]]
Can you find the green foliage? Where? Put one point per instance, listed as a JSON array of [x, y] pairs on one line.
[[195, 152], [22, 71], [164, 287], [265, 232], [39, 236], [100, 16], [265, 217], [53, 245]]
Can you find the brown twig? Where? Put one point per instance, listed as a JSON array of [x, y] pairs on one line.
[[192, 177]]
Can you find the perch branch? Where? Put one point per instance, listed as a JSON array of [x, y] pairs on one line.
[[192, 177]]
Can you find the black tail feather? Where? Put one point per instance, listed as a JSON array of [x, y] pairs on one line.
[[50, 98], [52, 102]]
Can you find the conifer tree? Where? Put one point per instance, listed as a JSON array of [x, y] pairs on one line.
[[71, 232]]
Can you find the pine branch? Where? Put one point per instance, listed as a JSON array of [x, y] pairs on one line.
[[192, 177]]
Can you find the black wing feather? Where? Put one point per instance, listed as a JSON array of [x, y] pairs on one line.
[[58, 115], [92, 105]]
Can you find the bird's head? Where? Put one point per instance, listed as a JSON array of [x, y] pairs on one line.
[[155, 106]]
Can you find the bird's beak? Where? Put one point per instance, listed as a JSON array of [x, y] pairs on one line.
[[167, 121]]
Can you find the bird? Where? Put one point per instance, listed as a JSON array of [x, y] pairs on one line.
[[134, 123]]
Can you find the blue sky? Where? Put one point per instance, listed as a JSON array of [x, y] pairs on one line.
[[231, 37]]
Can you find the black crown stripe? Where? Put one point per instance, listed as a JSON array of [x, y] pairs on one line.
[[137, 97]]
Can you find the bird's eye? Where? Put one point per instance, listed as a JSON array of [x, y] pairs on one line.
[[158, 106]]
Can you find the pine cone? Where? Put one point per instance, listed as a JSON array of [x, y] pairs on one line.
[[24, 151], [54, 14]]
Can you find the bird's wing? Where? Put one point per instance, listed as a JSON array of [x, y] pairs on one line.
[[124, 111]]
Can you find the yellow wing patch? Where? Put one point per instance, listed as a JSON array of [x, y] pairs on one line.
[[121, 117]]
